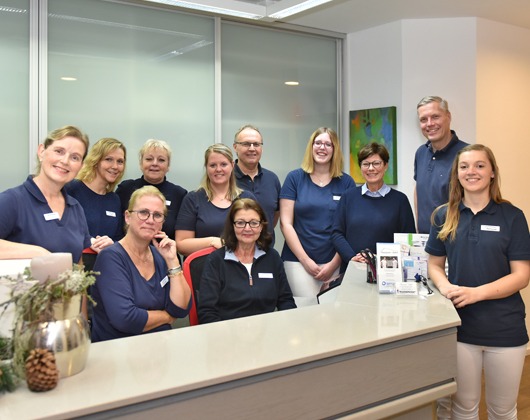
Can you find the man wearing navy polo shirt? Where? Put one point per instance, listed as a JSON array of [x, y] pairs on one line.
[[250, 176], [433, 160]]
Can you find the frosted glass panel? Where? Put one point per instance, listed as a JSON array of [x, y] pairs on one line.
[[255, 65], [14, 96], [140, 73]]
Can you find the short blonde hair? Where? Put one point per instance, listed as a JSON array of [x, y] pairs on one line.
[[155, 144], [147, 190]]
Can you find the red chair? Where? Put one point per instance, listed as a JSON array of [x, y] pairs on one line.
[[193, 266]]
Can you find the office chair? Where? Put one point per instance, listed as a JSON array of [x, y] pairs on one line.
[[192, 268]]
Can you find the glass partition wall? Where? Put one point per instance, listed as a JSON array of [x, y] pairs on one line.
[[134, 72]]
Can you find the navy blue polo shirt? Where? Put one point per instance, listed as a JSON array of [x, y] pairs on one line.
[[432, 171], [265, 187], [485, 244], [173, 193], [26, 217]]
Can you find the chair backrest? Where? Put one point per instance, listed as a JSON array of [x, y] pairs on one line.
[[193, 266]]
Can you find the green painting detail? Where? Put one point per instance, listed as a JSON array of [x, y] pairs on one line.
[[367, 126]]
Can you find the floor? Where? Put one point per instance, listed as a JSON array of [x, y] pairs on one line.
[[523, 402]]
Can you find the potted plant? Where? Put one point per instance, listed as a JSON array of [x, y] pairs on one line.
[[47, 316]]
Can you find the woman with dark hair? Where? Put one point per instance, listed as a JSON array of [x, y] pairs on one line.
[[39, 217], [308, 200], [372, 212], [245, 277], [486, 243], [94, 189]]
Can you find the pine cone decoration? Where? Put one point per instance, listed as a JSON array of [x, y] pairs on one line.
[[41, 371]]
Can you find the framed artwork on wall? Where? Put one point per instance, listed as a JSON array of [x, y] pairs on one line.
[[367, 126]]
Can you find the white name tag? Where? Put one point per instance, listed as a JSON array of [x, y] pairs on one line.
[[110, 213], [265, 275], [168, 203], [336, 197], [51, 216], [164, 281], [490, 228]]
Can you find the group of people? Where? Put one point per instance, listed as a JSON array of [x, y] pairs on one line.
[[133, 237]]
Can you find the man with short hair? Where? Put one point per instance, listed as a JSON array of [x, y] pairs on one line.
[[434, 159], [250, 176]]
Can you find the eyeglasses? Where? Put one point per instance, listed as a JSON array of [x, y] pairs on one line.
[[247, 144], [241, 224], [143, 215], [327, 144], [376, 164]]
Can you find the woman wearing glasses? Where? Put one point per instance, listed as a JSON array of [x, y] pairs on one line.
[[140, 287], [308, 200], [372, 212], [203, 212], [246, 277]]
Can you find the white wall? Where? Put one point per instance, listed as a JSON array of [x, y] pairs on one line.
[[503, 89], [481, 67], [400, 63]]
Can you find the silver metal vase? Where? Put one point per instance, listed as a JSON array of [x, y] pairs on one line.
[[68, 337]]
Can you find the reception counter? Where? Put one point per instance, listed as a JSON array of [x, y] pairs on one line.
[[358, 354]]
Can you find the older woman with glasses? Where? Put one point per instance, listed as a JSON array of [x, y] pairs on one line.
[[246, 277], [140, 288], [308, 199], [371, 213]]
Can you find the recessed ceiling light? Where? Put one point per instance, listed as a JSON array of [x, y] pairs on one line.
[[292, 83], [69, 79]]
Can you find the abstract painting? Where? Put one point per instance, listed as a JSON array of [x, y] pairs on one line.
[[367, 126]]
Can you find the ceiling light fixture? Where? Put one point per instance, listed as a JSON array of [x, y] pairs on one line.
[[292, 83], [244, 10], [297, 7], [69, 79]]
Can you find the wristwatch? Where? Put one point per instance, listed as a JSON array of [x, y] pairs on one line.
[[174, 271]]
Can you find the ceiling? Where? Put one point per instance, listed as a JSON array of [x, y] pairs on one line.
[[348, 16]]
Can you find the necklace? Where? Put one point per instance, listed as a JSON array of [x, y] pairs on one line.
[[137, 256], [322, 182]]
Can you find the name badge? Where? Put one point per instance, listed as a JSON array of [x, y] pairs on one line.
[[168, 203], [336, 197], [51, 216], [490, 228], [265, 275], [164, 281], [110, 213]]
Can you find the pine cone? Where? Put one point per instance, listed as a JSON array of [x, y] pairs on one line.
[[41, 371]]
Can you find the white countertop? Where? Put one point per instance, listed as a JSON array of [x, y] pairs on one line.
[[126, 371]]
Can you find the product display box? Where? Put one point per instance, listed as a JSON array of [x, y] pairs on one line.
[[413, 255], [389, 268]]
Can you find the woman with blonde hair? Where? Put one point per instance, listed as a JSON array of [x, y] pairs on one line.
[[486, 243], [39, 217], [141, 287], [94, 189], [155, 160], [308, 200], [204, 211]]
